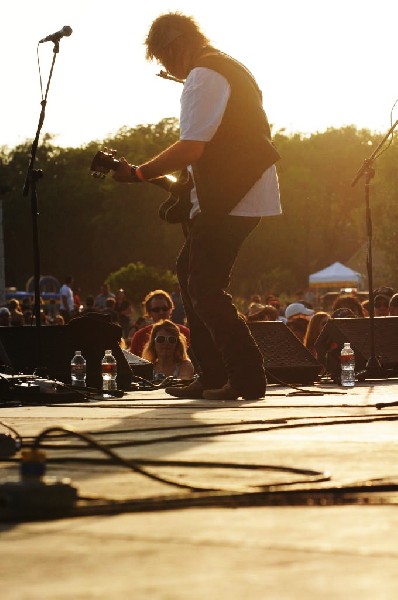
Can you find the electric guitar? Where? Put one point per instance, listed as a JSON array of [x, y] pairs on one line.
[[176, 207]]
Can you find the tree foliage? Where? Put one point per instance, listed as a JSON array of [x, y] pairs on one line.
[[137, 279], [96, 230]]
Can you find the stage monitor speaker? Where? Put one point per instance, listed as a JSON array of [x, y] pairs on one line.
[[90, 334], [357, 332], [286, 359]]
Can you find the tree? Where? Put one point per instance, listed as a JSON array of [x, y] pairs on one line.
[[138, 279], [93, 228], [323, 216]]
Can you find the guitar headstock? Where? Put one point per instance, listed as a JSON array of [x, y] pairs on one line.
[[103, 162]]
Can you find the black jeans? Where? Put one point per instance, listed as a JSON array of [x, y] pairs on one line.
[[221, 342]]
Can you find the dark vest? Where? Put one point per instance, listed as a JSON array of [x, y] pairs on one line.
[[241, 149]]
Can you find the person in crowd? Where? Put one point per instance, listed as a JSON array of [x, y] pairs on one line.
[[382, 305], [89, 306], [167, 350], [297, 310], [255, 304], [308, 297], [299, 327], [344, 313], [265, 313], [66, 299], [77, 301], [327, 350], [351, 302], [365, 307], [58, 320], [43, 318], [52, 310], [16, 314], [110, 310], [254, 308], [158, 306], [101, 298], [315, 326], [28, 316], [139, 323], [297, 317], [276, 303], [5, 317], [273, 301], [384, 290], [393, 306], [221, 112], [123, 309]]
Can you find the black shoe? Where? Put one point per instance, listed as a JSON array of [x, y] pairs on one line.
[[192, 391]]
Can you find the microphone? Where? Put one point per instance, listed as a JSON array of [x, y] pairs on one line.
[[55, 37]]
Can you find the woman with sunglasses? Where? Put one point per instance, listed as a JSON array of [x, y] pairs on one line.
[[167, 351], [158, 305]]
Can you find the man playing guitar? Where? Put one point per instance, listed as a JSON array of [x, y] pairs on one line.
[[225, 142]]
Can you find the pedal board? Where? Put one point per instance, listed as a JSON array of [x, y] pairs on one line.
[[28, 389]]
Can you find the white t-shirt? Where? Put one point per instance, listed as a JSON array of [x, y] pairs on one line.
[[203, 102], [67, 291]]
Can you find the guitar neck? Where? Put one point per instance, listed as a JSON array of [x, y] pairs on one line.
[[105, 161]]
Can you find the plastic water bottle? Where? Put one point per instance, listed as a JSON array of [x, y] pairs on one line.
[[347, 360], [109, 371], [78, 369]]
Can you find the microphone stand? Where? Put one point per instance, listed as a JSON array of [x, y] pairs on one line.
[[373, 369], [32, 177]]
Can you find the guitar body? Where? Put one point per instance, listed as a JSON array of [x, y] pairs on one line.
[[175, 210], [176, 207]]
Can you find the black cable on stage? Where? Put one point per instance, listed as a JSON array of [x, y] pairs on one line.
[[115, 457], [276, 427], [358, 493], [133, 464], [312, 476], [270, 495], [9, 445], [18, 437], [299, 391], [277, 421]]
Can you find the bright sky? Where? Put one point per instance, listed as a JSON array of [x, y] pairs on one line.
[[320, 63]]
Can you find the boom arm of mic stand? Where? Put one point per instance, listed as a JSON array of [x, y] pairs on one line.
[[368, 161]]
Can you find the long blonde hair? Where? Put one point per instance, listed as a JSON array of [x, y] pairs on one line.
[[180, 351], [314, 329]]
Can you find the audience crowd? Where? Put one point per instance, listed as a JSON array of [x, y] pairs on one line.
[[159, 332]]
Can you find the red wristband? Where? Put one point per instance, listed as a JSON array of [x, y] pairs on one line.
[[139, 174]]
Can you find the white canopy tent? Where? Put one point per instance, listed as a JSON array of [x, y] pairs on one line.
[[336, 275]]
